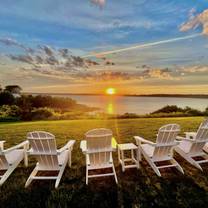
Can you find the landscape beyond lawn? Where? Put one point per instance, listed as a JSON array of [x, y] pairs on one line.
[[136, 188]]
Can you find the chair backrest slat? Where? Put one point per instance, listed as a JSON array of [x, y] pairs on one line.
[[44, 148], [99, 146], [201, 138], [165, 140]]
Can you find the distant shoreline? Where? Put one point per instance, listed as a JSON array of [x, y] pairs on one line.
[[143, 95]]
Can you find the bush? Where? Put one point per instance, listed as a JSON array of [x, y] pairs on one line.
[[194, 112], [72, 115], [42, 113], [206, 112], [173, 109], [7, 111], [52, 102], [168, 109]]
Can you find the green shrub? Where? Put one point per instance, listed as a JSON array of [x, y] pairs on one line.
[[41, 113], [7, 111], [168, 109], [206, 112], [171, 109], [72, 115]]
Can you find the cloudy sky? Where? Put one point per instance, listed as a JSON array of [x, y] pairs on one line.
[[136, 46]]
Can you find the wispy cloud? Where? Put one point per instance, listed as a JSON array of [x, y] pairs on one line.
[[142, 46], [193, 69], [196, 21], [100, 3], [61, 63], [11, 42], [22, 58], [58, 63]]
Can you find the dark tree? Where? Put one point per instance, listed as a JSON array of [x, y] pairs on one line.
[[6, 98], [169, 109], [13, 89]]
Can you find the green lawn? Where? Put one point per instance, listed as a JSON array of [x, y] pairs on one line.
[[136, 188]]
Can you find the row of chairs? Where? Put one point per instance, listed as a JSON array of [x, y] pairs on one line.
[[98, 147]]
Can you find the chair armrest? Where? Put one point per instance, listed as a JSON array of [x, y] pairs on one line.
[[24, 145], [140, 140], [190, 134], [184, 138], [30, 151], [68, 146], [83, 146], [175, 143], [2, 145]]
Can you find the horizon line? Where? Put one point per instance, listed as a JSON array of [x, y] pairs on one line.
[[103, 94]]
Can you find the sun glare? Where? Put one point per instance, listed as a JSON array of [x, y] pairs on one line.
[[110, 91]]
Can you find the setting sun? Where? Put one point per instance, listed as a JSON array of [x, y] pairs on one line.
[[110, 91]]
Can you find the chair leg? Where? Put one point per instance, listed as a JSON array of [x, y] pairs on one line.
[[7, 174], [29, 180], [61, 171], [123, 162], [138, 158], [152, 164], [69, 160], [154, 167], [188, 158], [26, 147], [173, 161], [86, 175], [9, 171], [139, 154], [194, 163], [114, 172], [25, 159]]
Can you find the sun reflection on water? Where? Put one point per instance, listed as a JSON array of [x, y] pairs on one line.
[[110, 108]]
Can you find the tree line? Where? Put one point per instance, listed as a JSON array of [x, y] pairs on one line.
[[29, 107]]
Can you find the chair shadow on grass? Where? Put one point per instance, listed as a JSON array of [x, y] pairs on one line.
[[136, 188]]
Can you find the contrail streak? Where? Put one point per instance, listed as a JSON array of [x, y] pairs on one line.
[[142, 46]]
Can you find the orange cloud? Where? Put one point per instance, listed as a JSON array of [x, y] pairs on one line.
[[194, 22]]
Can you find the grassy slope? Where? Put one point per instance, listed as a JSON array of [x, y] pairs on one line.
[[140, 188]]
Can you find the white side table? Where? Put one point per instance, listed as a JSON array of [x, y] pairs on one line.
[[134, 161]]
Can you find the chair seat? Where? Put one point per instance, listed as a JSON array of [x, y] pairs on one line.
[[54, 166], [205, 148], [14, 156], [185, 146], [148, 149]]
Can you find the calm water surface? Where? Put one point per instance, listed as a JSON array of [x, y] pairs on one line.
[[138, 105]]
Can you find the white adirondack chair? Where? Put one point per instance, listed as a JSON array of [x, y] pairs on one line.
[[98, 151], [43, 147], [162, 150], [11, 157], [192, 145]]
